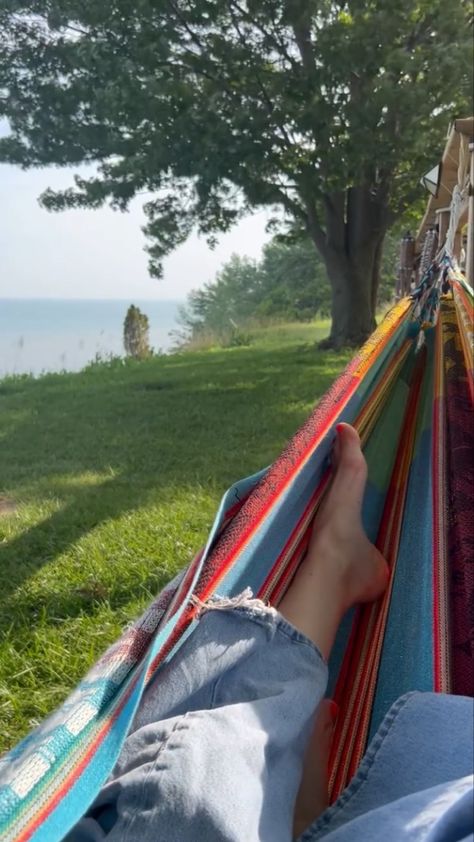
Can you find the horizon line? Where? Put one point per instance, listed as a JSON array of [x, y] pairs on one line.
[[61, 298]]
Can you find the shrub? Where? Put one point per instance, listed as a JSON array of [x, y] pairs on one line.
[[136, 329]]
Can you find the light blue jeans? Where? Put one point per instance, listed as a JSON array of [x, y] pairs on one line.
[[216, 750]]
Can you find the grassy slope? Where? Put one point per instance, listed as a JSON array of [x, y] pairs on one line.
[[117, 472]]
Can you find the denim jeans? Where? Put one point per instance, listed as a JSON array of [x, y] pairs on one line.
[[217, 746]]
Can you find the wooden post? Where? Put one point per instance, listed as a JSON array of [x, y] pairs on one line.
[[442, 218], [470, 222], [407, 260], [457, 245]]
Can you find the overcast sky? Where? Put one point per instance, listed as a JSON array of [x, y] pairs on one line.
[[97, 254]]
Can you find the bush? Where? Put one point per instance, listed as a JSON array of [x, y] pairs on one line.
[[136, 329]]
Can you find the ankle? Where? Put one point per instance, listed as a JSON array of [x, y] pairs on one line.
[[328, 567]]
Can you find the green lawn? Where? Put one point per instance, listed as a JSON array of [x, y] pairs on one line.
[[116, 473]]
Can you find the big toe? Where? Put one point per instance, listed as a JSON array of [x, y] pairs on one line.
[[350, 468]]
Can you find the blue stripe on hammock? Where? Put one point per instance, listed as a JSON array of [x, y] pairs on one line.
[[407, 654]]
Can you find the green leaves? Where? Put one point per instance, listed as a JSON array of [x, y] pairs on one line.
[[136, 330], [217, 107], [288, 283]]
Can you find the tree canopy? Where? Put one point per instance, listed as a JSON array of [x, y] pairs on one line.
[[327, 111]]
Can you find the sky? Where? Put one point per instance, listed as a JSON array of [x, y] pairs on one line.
[[98, 253]]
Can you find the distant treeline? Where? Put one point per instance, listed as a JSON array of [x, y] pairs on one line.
[[289, 283]]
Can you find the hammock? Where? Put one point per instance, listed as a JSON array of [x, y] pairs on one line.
[[409, 392]]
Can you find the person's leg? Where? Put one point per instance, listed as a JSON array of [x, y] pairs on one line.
[[341, 568], [223, 757], [225, 764], [312, 798]]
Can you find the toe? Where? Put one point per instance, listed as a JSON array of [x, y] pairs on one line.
[[350, 452], [351, 469]]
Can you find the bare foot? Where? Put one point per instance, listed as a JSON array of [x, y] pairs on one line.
[[341, 566], [338, 543]]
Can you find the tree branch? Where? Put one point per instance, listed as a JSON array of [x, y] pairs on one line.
[[280, 46], [194, 38], [316, 231], [78, 29], [302, 32], [419, 33], [266, 97]]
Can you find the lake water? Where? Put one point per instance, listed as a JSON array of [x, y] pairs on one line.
[[53, 335]]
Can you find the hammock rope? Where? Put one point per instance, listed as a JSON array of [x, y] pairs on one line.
[[410, 399]]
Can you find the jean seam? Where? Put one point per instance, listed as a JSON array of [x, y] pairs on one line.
[[212, 702], [362, 775], [128, 825]]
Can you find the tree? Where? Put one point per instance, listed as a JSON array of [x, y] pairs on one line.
[[136, 329], [327, 111], [293, 281], [226, 302], [287, 283]]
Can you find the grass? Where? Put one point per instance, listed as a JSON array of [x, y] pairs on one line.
[[273, 334], [116, 473]]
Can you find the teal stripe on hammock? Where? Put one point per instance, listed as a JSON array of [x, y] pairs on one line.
[[381, 449], [407, 653]]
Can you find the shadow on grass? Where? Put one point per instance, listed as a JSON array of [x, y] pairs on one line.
[[154, 427]]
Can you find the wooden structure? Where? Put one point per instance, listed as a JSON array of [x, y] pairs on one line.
[[452, 209], [406, 266]]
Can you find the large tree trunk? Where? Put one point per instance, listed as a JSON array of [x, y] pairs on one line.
[[351, 247], [352, 309]]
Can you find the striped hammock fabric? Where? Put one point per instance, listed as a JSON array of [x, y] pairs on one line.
[[409, 392]]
